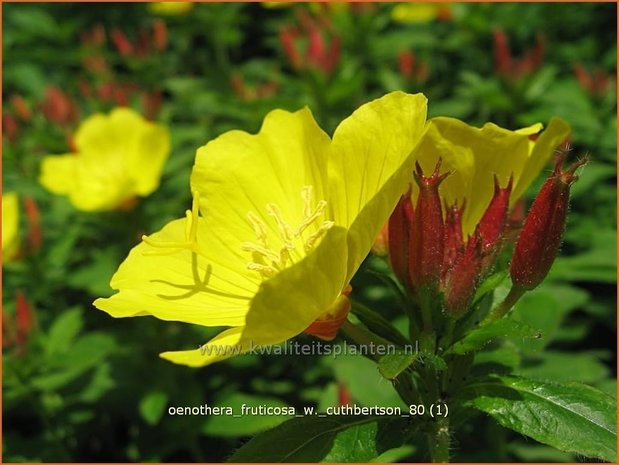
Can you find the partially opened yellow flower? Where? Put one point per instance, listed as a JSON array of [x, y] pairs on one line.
[[10, 226], [119, 156], [280, 223], [475, 155]]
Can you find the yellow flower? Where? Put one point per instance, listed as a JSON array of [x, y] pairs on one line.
[[280, 223], [10, 226], [475, 155], [411, 13], [118, 157], [170, 8]]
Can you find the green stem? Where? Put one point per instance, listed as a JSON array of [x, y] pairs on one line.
[[501, 310], [438, 442]]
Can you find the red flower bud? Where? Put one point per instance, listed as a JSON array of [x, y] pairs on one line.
[[10, 127], [398, 237], [502, 54], [494, 221], [541, 234], [21, 107], [160, 35], [406, 61], [463, 276], [24, 318], [35, 237], [454, 246], [427, 234], [121, 42], [287, 38]]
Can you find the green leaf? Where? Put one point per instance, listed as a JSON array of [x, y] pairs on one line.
[[374, 390], [332, 438], [88, 352], [479, 337], [246, 425], [489, 284], [391, 365], [571, 417], [583, 367], [152, 406], [545, 309], [63, 331]]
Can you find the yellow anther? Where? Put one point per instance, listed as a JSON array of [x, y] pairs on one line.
[[263, 251], [309, 219], [284, 229], [307, 194], [322, 229], [290, 240], [260, 229], [265, 270]]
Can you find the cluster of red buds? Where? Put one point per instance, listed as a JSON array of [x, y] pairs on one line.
[[148, 41], [596, 83], [427, 249], [59, 108], [56, 106], [433, 260], [318, 53], [411, 68], [110, 90], [19, 113], [512, 68], [16, 330]]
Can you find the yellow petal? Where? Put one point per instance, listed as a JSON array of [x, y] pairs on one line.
[[370, 165], [369, 146], [10, 225], [542, 150], [221, 347], [88, 186], [170, 8], [119, 156], [289, 302], [412, 13], [175, 284], [239, 174], [475, 155]]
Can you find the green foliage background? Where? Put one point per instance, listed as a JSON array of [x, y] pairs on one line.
[[86, 387]]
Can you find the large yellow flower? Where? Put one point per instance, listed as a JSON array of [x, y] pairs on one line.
[[119, 156], [285, 219], [10, 226], [474, 155]]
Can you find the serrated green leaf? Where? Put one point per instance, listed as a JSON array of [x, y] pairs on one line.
[[479, 337], [571, 417]]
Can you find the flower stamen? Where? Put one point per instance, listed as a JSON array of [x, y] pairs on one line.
[[267, 261], [191, 234]]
